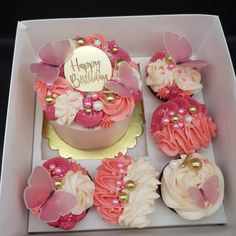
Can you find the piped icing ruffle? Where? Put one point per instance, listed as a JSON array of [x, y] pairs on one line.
[[192, 186], [125, 191], [182, 126]]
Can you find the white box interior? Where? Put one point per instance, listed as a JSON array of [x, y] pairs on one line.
[[139, 35]]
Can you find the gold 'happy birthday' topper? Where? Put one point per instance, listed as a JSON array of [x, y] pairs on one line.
[[88, 69]]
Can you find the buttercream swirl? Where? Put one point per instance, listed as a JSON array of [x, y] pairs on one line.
[[66, 107], [177, 180], [121, 108], [159, 75], [82, 187], [141, 200]]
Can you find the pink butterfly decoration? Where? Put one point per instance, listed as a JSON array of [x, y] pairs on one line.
[[53, 56], [127, 84], [207, 193], [180, 50], [41, 194]]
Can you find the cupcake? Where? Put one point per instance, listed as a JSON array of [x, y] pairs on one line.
[[170, 73], [59, 192], [182, 126], [192, 186], [125, 191], [87, 88]]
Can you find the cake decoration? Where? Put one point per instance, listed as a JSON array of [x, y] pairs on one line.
[[60, 193], [87, 84], [182, 126], [125, 190], [171, 73], [192, 186]]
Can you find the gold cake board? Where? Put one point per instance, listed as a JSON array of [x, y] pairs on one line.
[[135, 130]]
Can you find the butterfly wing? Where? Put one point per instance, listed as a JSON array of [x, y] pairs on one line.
[[55, 53], [118, 88], [177, 46], [195, 64], [210, 189], [48, 74], [39, 189], [60, 203], [197, 196], [128, 77]]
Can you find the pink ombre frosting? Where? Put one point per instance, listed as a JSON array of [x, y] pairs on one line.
[[109, 182], [191, 132]]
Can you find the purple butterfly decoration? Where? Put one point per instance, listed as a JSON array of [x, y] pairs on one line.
[[53, 56]]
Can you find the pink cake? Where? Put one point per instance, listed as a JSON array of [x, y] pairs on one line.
[[60, 192], [182, 126], [171, 73], [88, 89], [125, 191]]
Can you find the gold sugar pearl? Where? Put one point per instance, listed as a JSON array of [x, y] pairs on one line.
[[130, 185], [192, 109], [49, 100], [80, 42], [124, 197], [118, 63], [174, 118], [195, 164], [169, 59], [58, 184], [88, 110], [115, 50], [110, 98]]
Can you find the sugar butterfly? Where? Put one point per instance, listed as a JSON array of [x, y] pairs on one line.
[[180, 50], [207, 193], [128, 81], [41, 194], [53, 56]]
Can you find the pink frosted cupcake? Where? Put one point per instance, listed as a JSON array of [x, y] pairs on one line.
[[125, 191], [59, 193], [171, 73], [182, 126], [88, 88]]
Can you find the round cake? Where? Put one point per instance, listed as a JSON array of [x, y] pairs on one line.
[[125, 191], [60, 192], [171, 73], [192, 186], [88, 88], [182, 126]]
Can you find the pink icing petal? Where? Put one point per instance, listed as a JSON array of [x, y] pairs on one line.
[[88, 120]]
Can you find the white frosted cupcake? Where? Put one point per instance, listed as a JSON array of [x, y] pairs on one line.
[[192, 186]]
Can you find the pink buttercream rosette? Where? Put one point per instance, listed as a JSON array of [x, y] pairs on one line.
[[125, 190], [182, 126], [60, 192]]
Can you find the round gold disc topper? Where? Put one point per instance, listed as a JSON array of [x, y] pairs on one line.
[[88, 69]]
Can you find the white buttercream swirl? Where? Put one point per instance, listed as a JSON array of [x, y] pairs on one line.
[[141, 200], [176, 181], [187, 79], [66, 107], [159, 75], [82, 187]]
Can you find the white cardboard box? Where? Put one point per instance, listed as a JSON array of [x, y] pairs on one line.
[[138, 35]]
